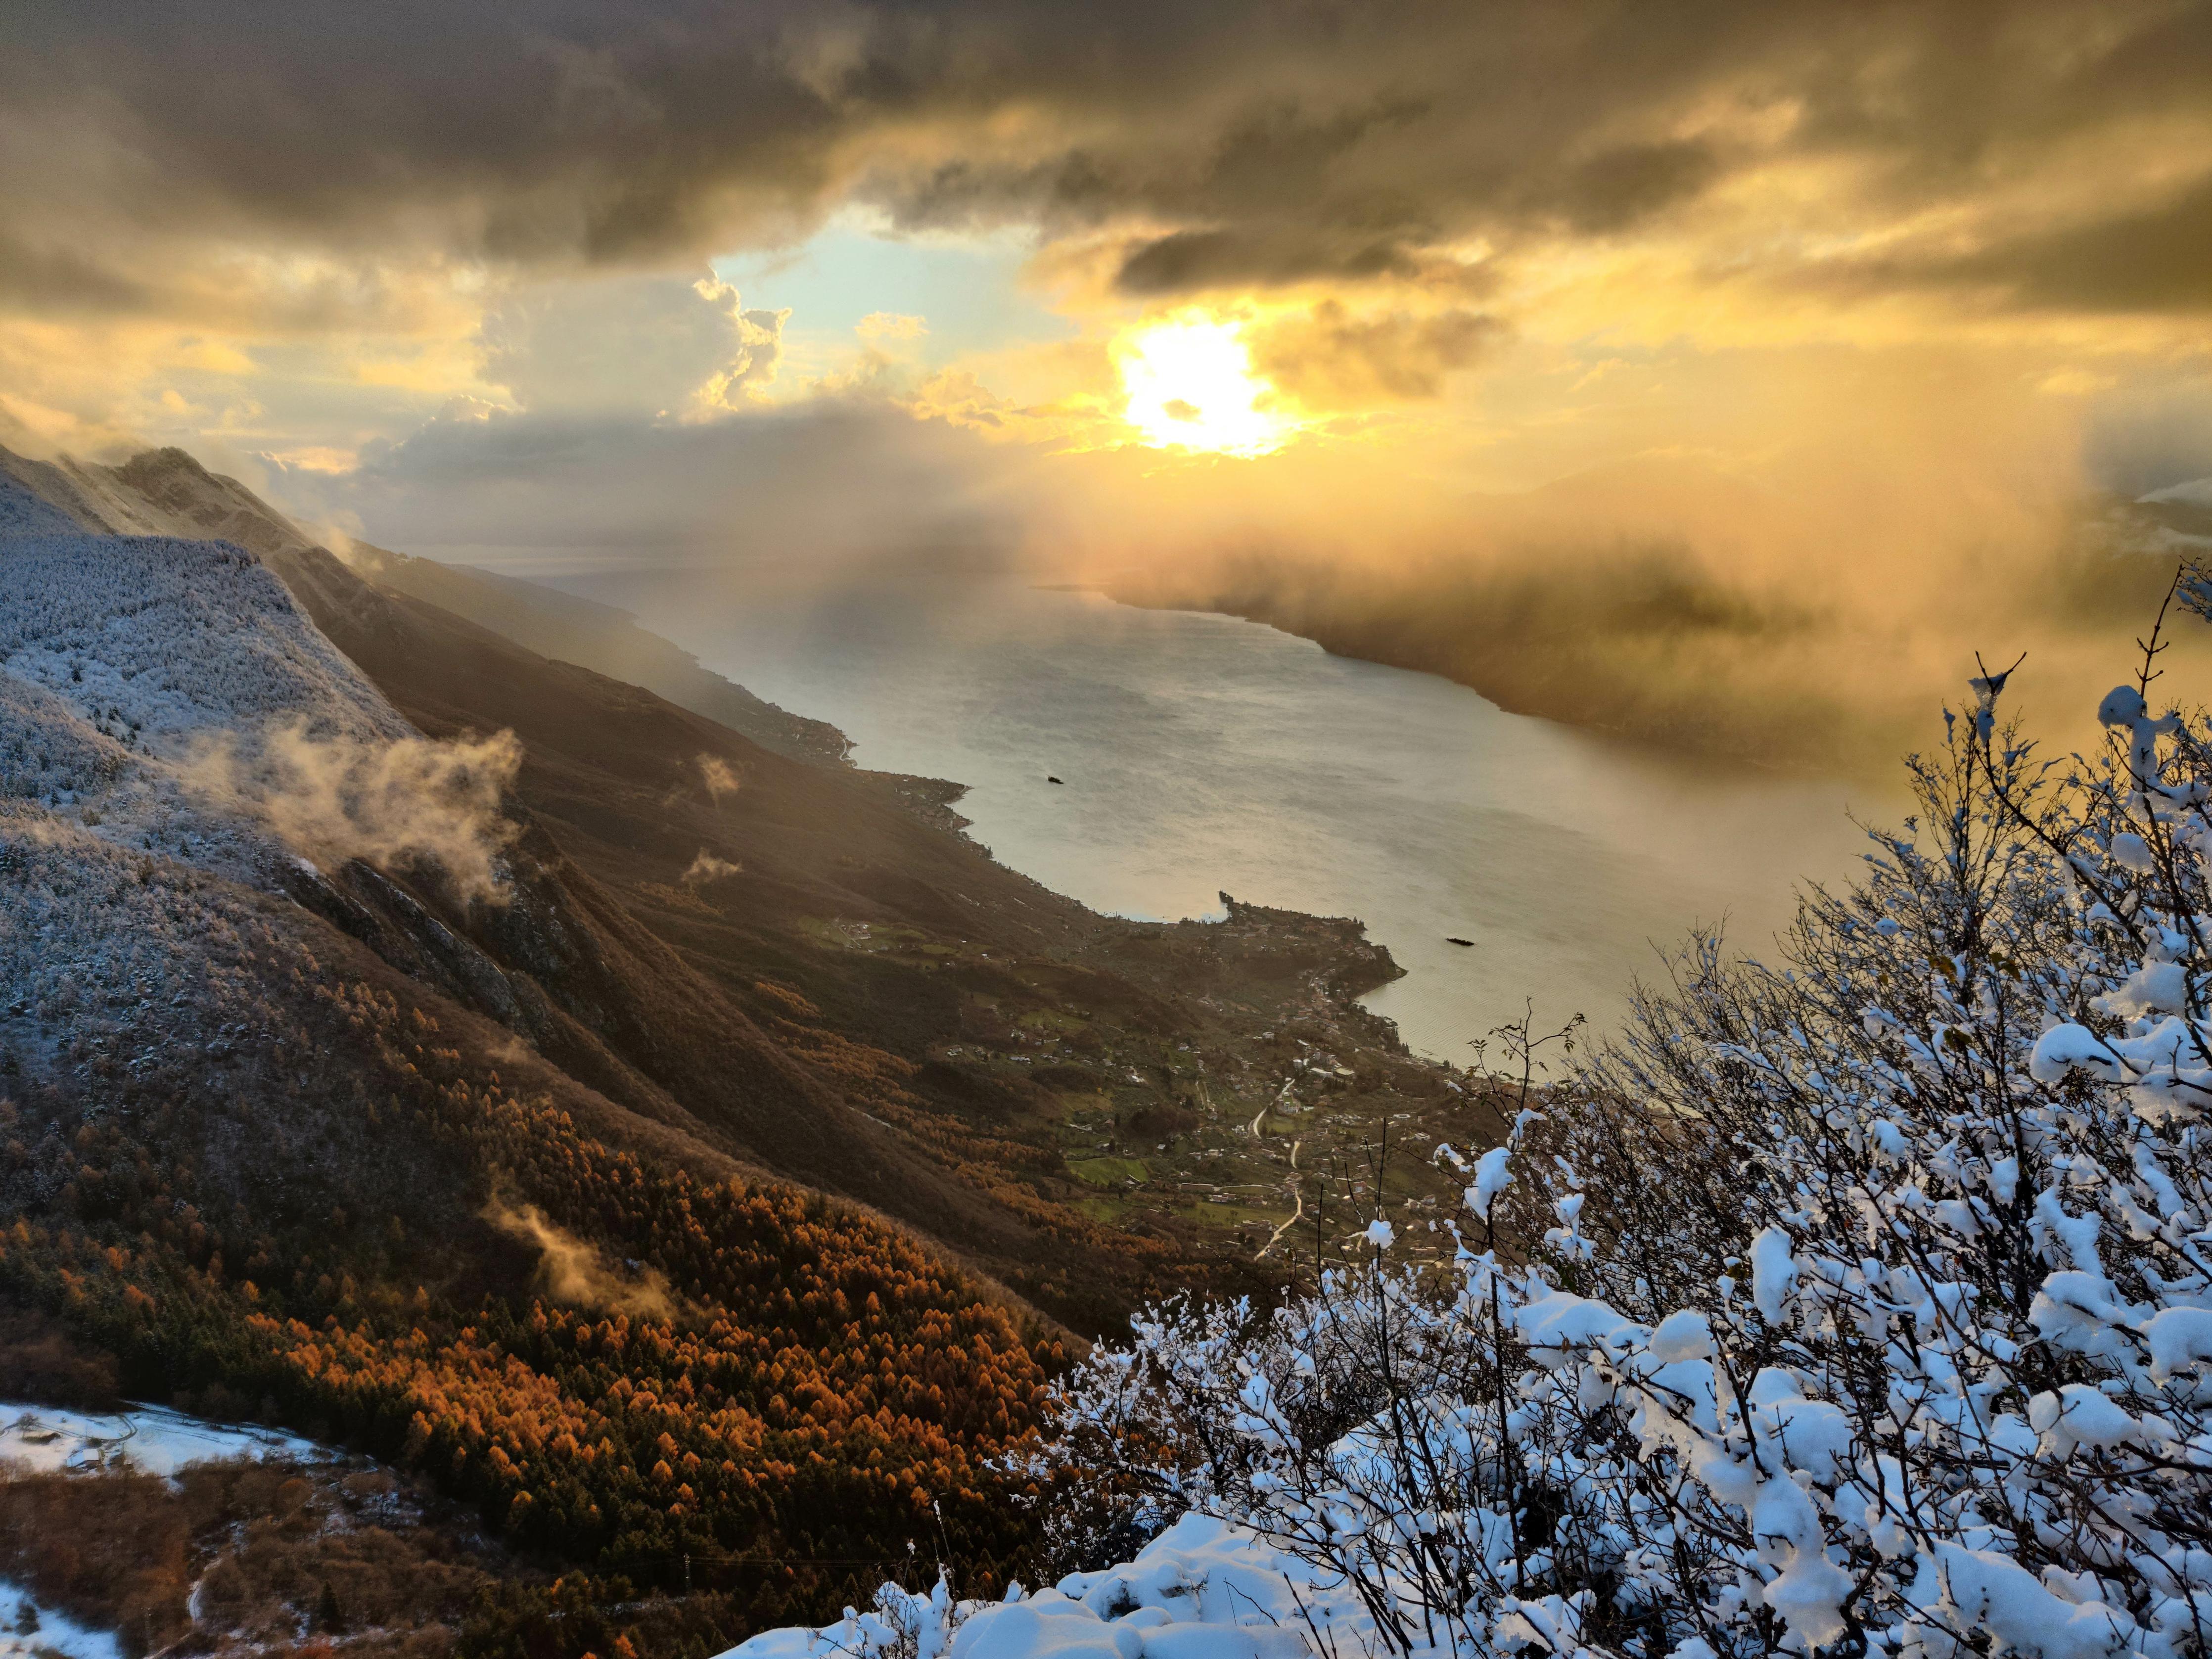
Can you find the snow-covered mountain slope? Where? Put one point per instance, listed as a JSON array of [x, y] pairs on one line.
[[153, 639], [50, 753], [171, 696], [158, 492], [23, 513], [201, 799], [155, 696], [172, 722]]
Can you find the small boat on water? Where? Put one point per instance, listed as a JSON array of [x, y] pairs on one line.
[[1453, 939], [1048, 778]]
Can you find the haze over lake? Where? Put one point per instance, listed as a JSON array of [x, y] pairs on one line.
[[1200, 753]]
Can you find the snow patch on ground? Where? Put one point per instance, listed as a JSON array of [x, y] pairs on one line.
[[1204, 1588], [53, 1633], [152, 1439]]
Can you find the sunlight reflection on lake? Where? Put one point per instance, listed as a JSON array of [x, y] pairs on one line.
[[1203, 753]]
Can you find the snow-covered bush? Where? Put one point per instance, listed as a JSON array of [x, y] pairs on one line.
[[1202, 1589], [1861, 1301]]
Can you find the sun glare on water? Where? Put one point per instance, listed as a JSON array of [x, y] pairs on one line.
[[1190, 385]]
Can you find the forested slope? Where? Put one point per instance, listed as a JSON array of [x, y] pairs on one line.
[[273, 1173]]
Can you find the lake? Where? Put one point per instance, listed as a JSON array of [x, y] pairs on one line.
[[1200, 753]]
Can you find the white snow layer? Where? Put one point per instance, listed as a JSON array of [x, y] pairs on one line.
[[1203, 1589], [41, 1439], [30, 1631], [161, 638], [167, 713], [149, 1438], [140, 677]]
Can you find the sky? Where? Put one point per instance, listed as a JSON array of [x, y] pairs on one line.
[[807, 284]]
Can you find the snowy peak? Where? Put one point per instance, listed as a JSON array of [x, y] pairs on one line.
[[158, 492]]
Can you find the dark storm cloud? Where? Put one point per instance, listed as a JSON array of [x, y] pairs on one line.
[[1328, 356], [1613, 191], [2159, 258], [2153, 258], [64, 280], [540, 130], [1228, 258], [1236, 141]]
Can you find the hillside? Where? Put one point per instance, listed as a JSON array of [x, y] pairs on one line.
[[598, 637], [270, 1173], [802, 964], [416, 1041]]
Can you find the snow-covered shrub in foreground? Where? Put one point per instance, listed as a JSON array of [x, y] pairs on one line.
[[1863, 1303], [1203, 1589]]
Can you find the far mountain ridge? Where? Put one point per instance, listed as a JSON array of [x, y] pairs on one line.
[[1666, 602], [167, 492]]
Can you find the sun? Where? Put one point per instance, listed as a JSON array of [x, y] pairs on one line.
[[1190, 385]]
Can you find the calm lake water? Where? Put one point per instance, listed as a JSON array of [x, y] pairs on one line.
[[1202, 754]]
